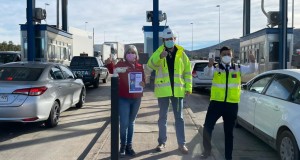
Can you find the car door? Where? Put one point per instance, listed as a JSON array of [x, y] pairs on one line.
[[60, 85], [250, 95], [74, 88], [270, 106]]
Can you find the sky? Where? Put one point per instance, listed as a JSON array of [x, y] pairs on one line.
[[195, 22]]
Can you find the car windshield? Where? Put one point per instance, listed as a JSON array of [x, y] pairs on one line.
[[20, 74], [6, 58]]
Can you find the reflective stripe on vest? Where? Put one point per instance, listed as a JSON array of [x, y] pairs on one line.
[[224, 85]]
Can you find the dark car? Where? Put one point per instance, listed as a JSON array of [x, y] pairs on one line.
[[91, 68], [9, 56]]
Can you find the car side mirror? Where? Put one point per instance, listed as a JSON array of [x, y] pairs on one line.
[[78, 75], [244, 86]]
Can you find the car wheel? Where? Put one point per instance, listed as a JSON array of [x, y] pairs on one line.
[[287, 146], [81, 98], [96, 83], [105, 79], [53, 118]]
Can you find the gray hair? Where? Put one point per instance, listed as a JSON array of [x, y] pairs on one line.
[[132, 48]]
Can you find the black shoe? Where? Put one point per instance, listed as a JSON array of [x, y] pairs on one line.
[[160, 147], [183, 149], [129, 150], [122, 150], [204, 155]]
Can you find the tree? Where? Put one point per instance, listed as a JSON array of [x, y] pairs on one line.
[[10, 46]]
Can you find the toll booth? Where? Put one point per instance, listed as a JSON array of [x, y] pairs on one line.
[[148, 38], [52, 44], [265, 45], [148, 49]]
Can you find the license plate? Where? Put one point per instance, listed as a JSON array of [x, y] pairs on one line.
[[81, 72], [3, 98]]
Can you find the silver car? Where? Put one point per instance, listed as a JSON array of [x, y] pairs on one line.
[[38, 91], [200, 81]]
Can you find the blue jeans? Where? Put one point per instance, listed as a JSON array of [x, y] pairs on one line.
[[128, 109], [177, 104]]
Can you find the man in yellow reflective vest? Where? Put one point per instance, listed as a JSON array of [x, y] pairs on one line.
[[173, 80], [224, 99]]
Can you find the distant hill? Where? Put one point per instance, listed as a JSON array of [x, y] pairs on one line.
[[233, 43]]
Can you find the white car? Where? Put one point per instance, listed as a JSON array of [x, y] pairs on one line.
[[200, 81], [270, 108]]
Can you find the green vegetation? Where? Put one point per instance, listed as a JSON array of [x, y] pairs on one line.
[[10, 46]]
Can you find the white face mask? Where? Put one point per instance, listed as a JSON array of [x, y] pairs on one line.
[[226, 59]]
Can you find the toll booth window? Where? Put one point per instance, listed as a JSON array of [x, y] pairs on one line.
[[273, 52], [65, 53], [57, 52]]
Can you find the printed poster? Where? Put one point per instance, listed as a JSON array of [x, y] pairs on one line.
[[134, 80]]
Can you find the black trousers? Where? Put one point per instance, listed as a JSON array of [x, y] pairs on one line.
[[228, 111]]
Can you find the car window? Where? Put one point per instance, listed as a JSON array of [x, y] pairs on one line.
[[296, 95], [56, 73], [281, 87], [6, 58], [260, 83], [94, 62], [74, 61], [67, 72], [200, 66], [20, 74]]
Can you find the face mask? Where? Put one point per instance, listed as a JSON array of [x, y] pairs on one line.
[[226, 59], [169, 44], [130, 57]]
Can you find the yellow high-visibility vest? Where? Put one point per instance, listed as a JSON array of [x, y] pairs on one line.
[[230, 92], [182, 73]]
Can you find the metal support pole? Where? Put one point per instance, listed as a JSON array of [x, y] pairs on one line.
[[57, 14], [283, 35], [246, 17], [293, 9], [219, 25], [64, 13], [114, 118], [30, 30], [93, 39], [155, 26], [192, 36]]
